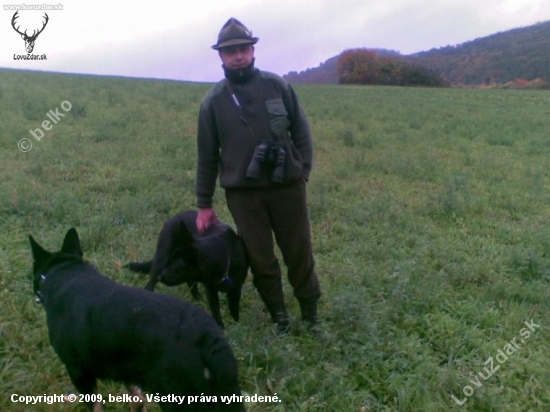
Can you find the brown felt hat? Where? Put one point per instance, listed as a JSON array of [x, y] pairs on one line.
[[233, 33]]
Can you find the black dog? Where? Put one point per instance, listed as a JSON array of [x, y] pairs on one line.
[[216, 258], [103, 330]]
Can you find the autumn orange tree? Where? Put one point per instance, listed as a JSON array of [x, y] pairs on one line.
[[364, 66], [357, 66]]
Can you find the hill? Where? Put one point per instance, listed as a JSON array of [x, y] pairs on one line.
[[522, 53], [503, 57], [324, 74]]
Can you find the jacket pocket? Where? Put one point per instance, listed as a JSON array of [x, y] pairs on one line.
[[278, 117]]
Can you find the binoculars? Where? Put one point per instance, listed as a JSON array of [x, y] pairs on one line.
[[269, 153]]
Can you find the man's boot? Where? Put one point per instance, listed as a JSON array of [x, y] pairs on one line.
[[309, 315], [279, 316]]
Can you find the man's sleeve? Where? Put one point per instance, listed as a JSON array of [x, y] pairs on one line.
[[300, 132], [208, 149]]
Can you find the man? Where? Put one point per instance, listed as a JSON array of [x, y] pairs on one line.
[[253, 133]]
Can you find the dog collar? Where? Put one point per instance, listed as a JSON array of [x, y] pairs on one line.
[[39, 297], [227, 281]]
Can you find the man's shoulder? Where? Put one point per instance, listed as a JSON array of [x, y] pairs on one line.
[[212, 93], [269, 76]]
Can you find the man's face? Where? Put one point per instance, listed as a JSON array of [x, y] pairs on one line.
[[237, 57]]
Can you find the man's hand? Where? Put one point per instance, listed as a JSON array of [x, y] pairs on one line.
[[205, 218]]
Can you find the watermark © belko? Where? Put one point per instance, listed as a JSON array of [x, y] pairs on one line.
[[25, 144]]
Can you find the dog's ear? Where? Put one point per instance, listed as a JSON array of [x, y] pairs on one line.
[[38, 252], [71, 243]]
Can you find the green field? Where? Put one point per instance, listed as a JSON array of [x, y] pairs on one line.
[[429, 210]]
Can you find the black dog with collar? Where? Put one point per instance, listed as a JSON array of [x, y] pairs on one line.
[[215, 258], [103, 330]]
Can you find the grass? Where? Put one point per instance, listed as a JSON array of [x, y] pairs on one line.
[[429, 211]]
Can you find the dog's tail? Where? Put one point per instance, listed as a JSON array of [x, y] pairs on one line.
[[139, 267]]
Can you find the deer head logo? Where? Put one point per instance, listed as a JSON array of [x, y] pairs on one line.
[[29, 40]]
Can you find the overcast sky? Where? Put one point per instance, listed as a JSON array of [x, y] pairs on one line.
[[172, 39]]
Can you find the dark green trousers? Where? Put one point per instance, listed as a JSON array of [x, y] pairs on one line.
[[279, 212]]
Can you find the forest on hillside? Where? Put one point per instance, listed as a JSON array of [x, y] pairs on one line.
[[518, 56], [522, 53]]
